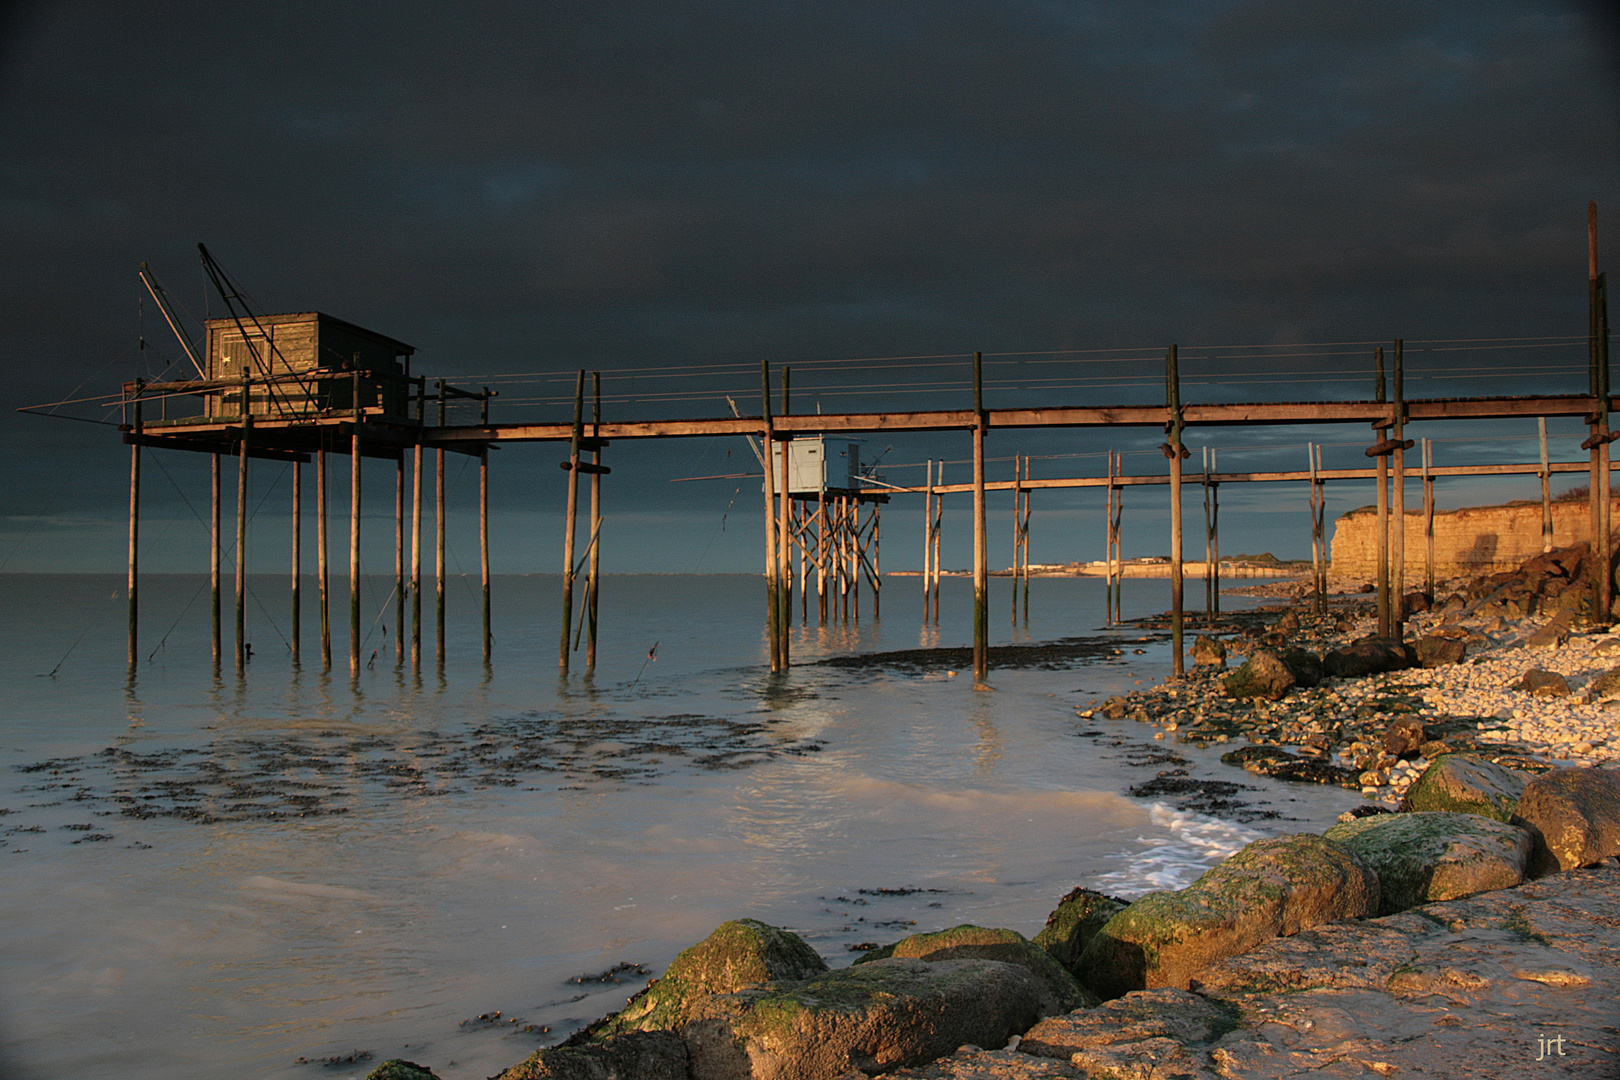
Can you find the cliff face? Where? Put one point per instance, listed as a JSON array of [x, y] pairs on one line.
[[1479, 540]]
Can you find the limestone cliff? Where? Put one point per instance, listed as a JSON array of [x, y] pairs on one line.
[[1474, 540]]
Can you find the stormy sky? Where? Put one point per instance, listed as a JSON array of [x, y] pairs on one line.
[[670, 192]]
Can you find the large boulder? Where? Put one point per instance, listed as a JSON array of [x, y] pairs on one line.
[[400, 1069], [1576, 813], [1438, 650], [1208, 651], [1263, 674], [1275, 886], [1466, 784], [634, 1055], [1435, 855], [1606, 685], [740, 955], [1544, 683], [873, 1017], [1074, 922], [1369, 656], [982, 943], [1553, 633]]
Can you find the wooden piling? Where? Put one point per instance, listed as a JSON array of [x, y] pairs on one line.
[[784, 538], [399, 559], [593, 578], [1321, 530], [1428, 520], [1175, 452], [569, 515], [322, 569], [1209, 549], [1215, 532], [133, 583], [440, 520], [1397, 553], [1384, 626], [213, 562], [295, 640], [981, 578], [1317, 603], [416, 528], [241, 537], [1025, 533], [773, 595], [1546, 488], [354, 534], [1605, 535]]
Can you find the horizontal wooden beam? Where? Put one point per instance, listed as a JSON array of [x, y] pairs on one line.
[[1192, 479], [211, 447]]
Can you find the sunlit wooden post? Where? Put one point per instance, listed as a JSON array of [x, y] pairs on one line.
[[569, 514], [1215, 531], [416, 527], [784, 540], [1316, 533], [441, 514], [1546, 488], [773, 595], [1175, 451], [354, 530], [133, 584], [1384, 622], [399, 558], [214, 560], [981, 579], [295, 641], [483, 529], [241, 536], [1397, 555], [593, 580], [322, 568], [1428, 520]]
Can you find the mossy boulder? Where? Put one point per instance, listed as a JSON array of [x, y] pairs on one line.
[[1074, 922], [1436, 855], [739, 955], [1576, 815], [1369, 656], [1263, 674], [1008, 946], [1276, 886], [873, 1017], [634, 1055], [1467, 784], [400, 1069]]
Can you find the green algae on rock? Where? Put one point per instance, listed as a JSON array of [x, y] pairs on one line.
[[1275, 886], [1074, 922], [739, 955], [634, 1055], [400, 1069], [1008, 946], [1436, 855], [1467, 784]]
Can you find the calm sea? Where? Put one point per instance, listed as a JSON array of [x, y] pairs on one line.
[[206, 876]]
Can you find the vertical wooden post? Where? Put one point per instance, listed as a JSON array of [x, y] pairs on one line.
[[801, 527], [354, 533], [399, 558], [241, 539], [773, 595], [1384, 627], [569, 515], [1027, 493], [1175, 451], [1215, 530], [1546, 488], [297, 558], [1428, 520], [1018, 529], [1108, 544], [440, 520], [322, 569], [1317, 604], [1397, 554], [416, 527], [877, 560], [928, 538], [939, 536], [133, 583], [784, 539], [981, 580], [1209, 550], [483, 533], [1600, 318], [1321, 529], [823, 554], [213, 564], [593, 579]]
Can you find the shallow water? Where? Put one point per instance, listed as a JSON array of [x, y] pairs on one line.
[[211, 875]]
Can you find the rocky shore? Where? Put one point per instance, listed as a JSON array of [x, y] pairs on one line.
[[1464, 922]]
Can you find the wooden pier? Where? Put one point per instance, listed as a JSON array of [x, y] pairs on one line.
[[298, 387]]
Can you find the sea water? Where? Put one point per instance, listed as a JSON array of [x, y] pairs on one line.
[[299, 873]]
